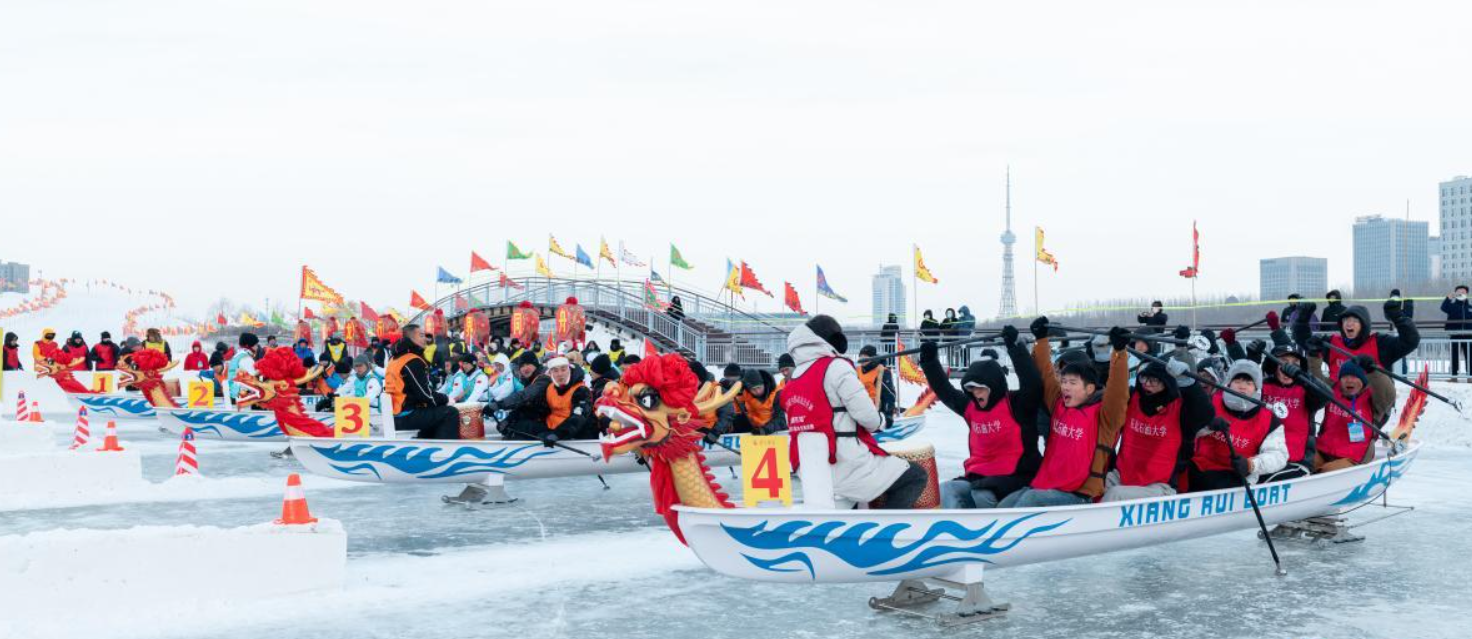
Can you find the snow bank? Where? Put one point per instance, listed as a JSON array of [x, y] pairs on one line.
[[46, 578], [175, 489], [45, 478], [19, 438], [1442, 425]]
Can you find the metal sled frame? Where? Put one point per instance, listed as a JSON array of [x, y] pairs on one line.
[[495, 497], [972, 605]]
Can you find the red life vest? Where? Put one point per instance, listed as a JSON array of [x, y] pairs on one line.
[[1334, 435], [995, 441], [1070, 452], [1149, 444], [1296, 424], [808, 411], [1247, 438], [1370, 346]]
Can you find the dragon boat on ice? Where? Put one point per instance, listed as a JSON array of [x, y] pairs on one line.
[[823, 540]]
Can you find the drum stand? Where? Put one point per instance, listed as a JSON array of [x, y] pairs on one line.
[[972, 605]]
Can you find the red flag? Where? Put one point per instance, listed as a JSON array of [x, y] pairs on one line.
[[791, 299], [220, 319], [507, 282], [1190, 272], [308, 314], [461, 304], [748, 280], [478, 263], [415, 301], [369, 315], [650, 350]]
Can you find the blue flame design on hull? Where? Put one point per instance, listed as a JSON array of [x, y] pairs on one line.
[[420, 461], [117, 406], [1388, 472], [231, 425], [879, 554]]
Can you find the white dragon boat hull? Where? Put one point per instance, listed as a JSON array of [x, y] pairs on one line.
[[239, 425], [119, 405], [428, 461], [837, 546]]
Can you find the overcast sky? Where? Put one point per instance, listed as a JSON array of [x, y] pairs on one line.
[[211, 148]]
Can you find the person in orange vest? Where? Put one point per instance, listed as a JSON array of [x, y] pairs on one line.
[[875, 377], [416, 406], [553, 407], [784, 368], [757, 409]]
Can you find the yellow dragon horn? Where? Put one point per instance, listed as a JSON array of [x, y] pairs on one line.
[[710, 398], [311, 375]]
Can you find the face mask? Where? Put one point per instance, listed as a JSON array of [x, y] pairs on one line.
[[1461, 297], [1236, 403]]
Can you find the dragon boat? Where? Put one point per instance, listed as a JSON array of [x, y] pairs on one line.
[[820, 541]]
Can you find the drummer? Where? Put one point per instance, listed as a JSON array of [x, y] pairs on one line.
[[1002, 424]]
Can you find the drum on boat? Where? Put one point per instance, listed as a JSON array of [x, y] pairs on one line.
[[472, 424], [924, 455]]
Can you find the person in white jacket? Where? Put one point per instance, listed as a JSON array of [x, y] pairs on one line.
[[501, 384], [365, 381], [859, 475], [1256, 435], [469, 383]]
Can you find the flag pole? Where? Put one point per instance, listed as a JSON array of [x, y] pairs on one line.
[[914, 287], [1037, 309]]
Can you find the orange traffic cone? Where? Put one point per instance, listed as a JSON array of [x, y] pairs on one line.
[[36, 412], [294, 505], [110, 441]]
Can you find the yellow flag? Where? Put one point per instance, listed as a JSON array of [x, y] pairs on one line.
[[733, 279], [1043, 255], [542, 267], [314, 289], [605, 253], [921, 273], [556, 249]]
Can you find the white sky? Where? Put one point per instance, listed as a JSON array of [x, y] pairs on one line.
[[210, 148]]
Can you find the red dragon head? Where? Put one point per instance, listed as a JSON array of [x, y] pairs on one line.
[[144, 364], [283, 372], [656, 399]]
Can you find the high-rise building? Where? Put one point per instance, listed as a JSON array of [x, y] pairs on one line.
[[1389, 253], [15, 277], [1433, 256], [889, 295], [1456, 228], [1279, 277], [1008, 307]]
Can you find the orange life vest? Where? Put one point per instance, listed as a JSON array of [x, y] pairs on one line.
[[871, 381], [758, 411], [393, 379], [560, 404]]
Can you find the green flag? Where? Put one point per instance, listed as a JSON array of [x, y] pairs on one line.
[[513, 253], [678, 260], [475, 300], [276, 319]]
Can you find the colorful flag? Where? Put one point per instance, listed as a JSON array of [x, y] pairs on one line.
[[307, 315], [651, 297], [827, 291], [677, 260], [733, 279], [790, 298], [220, 319], [478, 263], [460, 304], [908, 370], [1043, 256], [507, 282], [314, 289], [1190, 272], [542, 267], [556, 249], [247, 320], [276, 319], [417, 301], [515, 253], [650, 350], [654, 276], [921, 272], [605, 253], [474, 301], [444, 277], [369, 315], [627, 256], [749, 280], [583, 257]]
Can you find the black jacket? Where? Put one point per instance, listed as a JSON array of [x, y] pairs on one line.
[[1026, 401], [1391, 348], [418, 393], [1458, 314], [530, 403]]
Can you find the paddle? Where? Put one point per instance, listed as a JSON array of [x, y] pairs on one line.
[[1132, 335], [1319, 387], [914, 351], [1251, 497], [1376, 367]]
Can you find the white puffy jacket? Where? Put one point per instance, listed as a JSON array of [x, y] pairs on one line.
[[859, 475]]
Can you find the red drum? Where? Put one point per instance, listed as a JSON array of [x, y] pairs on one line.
[[923, 454], [472, 425]]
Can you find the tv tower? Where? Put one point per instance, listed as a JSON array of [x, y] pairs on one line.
[[1009, 291]]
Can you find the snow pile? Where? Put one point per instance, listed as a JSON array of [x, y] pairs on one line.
[[40, 480], [185, 488], [21, 438], [117, 575]]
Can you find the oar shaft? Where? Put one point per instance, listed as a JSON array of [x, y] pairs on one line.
[[1203, 380], [555, 444], [1318, 386], [1132, 335], [1252, 499], [1394, 376], [913, 351]]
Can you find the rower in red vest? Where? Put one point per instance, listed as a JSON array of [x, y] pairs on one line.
[[826, 397], [1300, 404], [1342, 440], [1166, 410], [1356, 336], [1085, 424], [1257, 436], [1002, 429]]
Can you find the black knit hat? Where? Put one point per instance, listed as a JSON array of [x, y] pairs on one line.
[[528, 358], [785, 361], [868, 351], [249, 340], [602, 365], [731, 370], [826, 327]]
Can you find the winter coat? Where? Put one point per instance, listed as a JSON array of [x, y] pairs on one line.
[[1329, 321], [1156, 321], [505, 383], [530, 408], [162, 347], [1272, 454], [104, 356], [196, 360], [1391, 348], [1290, 315], [966, 322], [929, 329], [77, 352], [12, 353], [859, 475], [1458, 314], [369, 386], [1115, 399]]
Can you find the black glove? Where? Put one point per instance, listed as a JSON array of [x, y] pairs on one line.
[[1039, 328], [1292, 370], [928, 351], [1305, 309], [1366, 362], [1119, 338], [710, 436], [1256, 348], [490, 408], [1181, 332], [441, 399], [549, 440], [1314, 346], [1392, 310], [1242, 466], [1009, 335], [1218, 425]]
